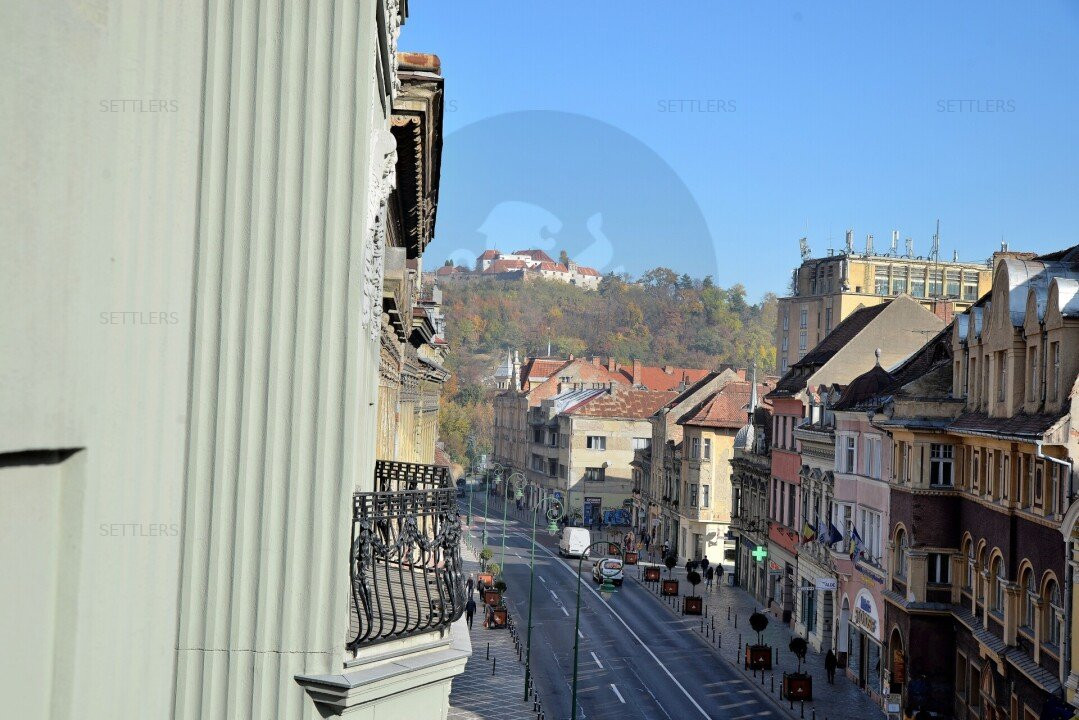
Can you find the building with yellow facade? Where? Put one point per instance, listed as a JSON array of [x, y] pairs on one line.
[[826, 290]]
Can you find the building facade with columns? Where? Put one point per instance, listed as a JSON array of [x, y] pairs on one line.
[[193, 440]]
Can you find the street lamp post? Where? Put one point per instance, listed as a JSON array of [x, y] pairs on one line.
[[606, 589], [552, 510], [487, 505]]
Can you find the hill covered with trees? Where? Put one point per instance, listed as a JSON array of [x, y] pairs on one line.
[[661, 318]]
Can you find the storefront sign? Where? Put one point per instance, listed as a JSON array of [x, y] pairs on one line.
[[865, 613], [826, 583]]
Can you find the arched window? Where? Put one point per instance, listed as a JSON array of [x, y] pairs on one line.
[[998, 581], [1053, 610], [1030, 600], [900, 559]]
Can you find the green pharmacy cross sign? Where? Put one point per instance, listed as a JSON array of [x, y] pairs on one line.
[[759, 553]]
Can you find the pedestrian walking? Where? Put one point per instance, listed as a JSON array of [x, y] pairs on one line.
[[471, 584], [708, 575], [470, 610], [830, 663], [719, 572], [704, 564]]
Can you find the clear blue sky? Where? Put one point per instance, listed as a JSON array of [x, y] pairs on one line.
[[708, 135]]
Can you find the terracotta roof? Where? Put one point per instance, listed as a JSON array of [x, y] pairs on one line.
[[448, 270], [584, 270], [795, 379], [727, 407], [624, 403], [537, 255], [505, 266], [489, 255], [442, 458], [552, 266], [667, 377], [541, 367]]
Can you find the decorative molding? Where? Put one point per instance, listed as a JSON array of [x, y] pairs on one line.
[[382, 181]]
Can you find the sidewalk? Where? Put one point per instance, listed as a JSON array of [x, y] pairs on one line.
[[841, 701], [492, 685]]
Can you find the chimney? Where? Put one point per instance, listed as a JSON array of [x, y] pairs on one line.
[[668, 369], [610, 364], [944, 309], [636, 378], [571, 356], [595, 360]]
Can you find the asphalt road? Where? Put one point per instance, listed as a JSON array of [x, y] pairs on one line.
[[635, 659]]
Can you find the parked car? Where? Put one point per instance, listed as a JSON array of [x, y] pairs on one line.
[[610, 568], [574, 542]]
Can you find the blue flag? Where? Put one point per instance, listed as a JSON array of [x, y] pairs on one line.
[[834, 535]]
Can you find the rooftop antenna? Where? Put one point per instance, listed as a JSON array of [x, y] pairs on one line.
[[869, 244], [910, 247], [850, 242], [895, 243], [803, 247]]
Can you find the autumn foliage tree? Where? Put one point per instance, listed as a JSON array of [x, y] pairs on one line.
[[662, 318]]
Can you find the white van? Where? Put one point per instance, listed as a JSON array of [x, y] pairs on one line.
[[574, 542]]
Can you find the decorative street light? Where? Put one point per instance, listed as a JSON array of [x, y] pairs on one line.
[[606, 589], [553, 511]]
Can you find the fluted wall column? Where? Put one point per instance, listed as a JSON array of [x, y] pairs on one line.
[[284, 353]]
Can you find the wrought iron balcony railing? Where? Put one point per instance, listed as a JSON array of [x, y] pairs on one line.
[[405, 565]]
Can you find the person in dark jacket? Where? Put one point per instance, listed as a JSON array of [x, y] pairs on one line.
[[470, 585], [470, 610], [704, 564], [708, 575], [830, 663]]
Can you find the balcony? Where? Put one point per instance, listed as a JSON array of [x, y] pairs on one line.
[[405, 564]]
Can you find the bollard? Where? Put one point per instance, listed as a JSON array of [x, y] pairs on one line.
[[791, 701], [488, 651], [736, 621], [814, 714], [803, 709], [728, 613], [713, 622], [773, 682], [777, 654]]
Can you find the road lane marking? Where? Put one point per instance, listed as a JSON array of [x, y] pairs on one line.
[[737, 704], [636, 637], [649, 691], [620, 698], [597, 661], [542, 580], [554, 596], [580, 634], [564, 611]]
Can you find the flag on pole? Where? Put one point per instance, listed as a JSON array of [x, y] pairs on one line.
[[808, 533], [822, 530], [834, 535], [857, 547]]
